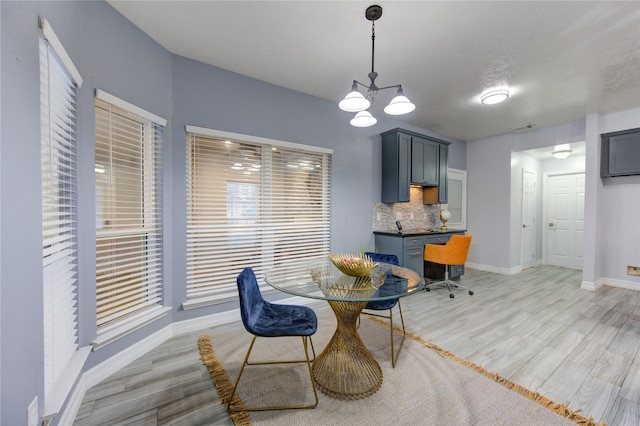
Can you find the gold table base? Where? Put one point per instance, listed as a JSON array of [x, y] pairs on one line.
[[345, 369]]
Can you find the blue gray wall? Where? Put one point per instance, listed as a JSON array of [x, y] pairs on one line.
[[610, 244], [114, 55]]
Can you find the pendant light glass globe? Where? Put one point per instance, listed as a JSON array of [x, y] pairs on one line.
[[399, 105], [363, 119], [354, 101]]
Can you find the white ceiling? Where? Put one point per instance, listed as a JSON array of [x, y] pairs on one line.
[[561, 60]]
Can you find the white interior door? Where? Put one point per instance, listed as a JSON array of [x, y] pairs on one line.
[[528, 219], [565, 220]]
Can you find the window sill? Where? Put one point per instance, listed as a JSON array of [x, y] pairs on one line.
[[55, 397], [113, 333]]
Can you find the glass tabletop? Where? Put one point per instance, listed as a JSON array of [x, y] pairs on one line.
[[320, 279]]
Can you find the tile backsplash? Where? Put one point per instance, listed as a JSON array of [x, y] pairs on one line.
[[412, 215]]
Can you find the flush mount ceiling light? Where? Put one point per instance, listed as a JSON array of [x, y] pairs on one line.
[[494, 96], [357, 102], [561, 151]]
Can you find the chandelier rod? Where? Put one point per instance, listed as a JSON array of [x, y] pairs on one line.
[[373, 43]]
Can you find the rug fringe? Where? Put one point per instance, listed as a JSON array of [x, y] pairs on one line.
[[558, 408], [223, 383]]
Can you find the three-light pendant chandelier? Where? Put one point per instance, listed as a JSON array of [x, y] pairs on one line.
[[357, 102]]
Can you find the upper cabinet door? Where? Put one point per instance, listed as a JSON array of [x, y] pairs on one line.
[[425, 162], [396, 167], [443, 185]]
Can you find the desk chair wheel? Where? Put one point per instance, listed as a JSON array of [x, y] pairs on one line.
[[428, 289], [451, 295], [470, 293]]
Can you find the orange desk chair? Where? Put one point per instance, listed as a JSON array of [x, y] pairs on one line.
[[453, 253]]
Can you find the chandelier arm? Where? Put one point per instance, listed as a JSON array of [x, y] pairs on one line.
[[391, 87], [361, 84]]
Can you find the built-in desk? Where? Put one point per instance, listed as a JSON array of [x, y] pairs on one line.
[[409, 247]]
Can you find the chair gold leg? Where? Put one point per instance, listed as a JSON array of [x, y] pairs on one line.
[[393, 352], [394, 355], [244, 363], [278, 407]]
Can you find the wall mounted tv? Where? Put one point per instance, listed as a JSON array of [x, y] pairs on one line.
[[620, 155]]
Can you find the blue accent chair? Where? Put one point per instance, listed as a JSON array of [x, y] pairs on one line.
[[264, 319], [389, 304]]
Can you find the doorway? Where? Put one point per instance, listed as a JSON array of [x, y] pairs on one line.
[[563, 229]]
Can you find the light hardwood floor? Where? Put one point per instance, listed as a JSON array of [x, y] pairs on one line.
[[537, 328]]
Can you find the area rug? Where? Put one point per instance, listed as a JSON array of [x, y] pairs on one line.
[[429, 385]]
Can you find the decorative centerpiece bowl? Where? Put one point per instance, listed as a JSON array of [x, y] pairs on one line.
[[354, 265]]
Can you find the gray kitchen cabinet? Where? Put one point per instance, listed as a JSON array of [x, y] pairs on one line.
[[620, 153], [443, 189], [396, 167], [425, 162], [409, 158], [413, 253], [409, 247]]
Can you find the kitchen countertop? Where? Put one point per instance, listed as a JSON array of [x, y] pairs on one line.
[[415, 232]]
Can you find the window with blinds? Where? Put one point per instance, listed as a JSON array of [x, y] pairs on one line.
[[251, 204], [59, 82], [128, 214]]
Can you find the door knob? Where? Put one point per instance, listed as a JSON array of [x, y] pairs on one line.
[[550, 224]]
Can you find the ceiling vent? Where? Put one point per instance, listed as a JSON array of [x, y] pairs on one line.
[[523, 128]]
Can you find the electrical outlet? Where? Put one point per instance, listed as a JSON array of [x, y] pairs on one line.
[[633, 270], [411, 215], [398, 216], [378, 217], [32, 413]]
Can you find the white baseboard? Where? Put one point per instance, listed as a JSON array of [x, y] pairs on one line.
[[494, 269], [613, 282], [107, 367], [588, 285]]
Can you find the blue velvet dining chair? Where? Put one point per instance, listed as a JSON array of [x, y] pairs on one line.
[[264, 319], [388, 304]]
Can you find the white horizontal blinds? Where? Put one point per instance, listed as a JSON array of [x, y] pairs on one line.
[[299, 206], [250, 204], [128, 214], [58, 97]]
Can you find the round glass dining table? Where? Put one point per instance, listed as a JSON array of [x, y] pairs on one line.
[[345, 369]]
